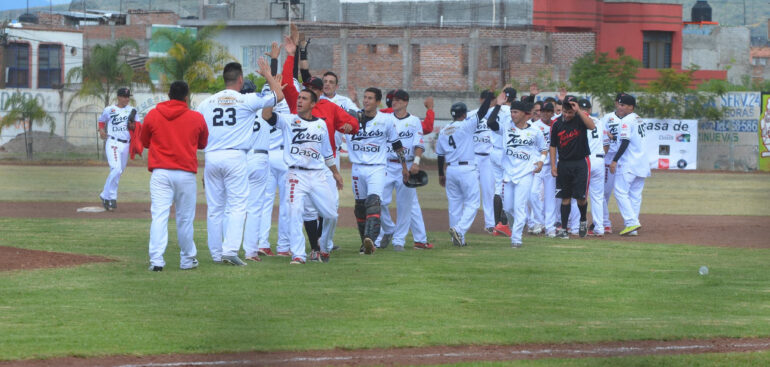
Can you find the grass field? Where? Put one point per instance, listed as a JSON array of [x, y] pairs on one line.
[[549, 291]]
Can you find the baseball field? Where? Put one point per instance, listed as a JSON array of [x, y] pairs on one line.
[[75, 289]]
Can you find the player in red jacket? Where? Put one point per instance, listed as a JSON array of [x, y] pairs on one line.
[[173, 134]]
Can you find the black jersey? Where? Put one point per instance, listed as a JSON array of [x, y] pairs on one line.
[[570, 138]]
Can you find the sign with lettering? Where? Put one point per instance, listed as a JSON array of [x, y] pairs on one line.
[[671, 144]]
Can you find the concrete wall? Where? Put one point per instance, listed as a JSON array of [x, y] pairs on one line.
[[256, 39], [717, 48]]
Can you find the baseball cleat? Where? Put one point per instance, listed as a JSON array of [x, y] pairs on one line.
[[283, 254], [423, 245], [265, 252], [398, 248], [233, 260], [105, 204], [254, 258], [537, 229], [490, 230], [113, 204], [594, 234], [155, 268], [515, 245], [633, 233], [335, 248], [325, 257], [583, 229], [503, 229], [315, 256], [368, 246], [297, 261], [551, 234], [456, 240], [629, 229], [562, 233], [608, 229], [386, 238], [193, 266]]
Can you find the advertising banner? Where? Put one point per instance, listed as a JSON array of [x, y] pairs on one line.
[[764, 134], [671, 144], [731, 143]]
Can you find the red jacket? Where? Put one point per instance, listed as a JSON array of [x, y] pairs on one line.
[[324, 109], [173, 133], [427, 124]]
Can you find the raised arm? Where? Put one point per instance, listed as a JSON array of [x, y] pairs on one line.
[[427, 123], [275, 85], [289, 91]]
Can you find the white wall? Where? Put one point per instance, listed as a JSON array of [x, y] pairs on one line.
[[70, 41]]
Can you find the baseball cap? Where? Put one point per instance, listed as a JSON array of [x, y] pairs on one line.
[[124, 92], [584, 103], [521, 106], [627, 99], [547, 107], [314, 82], [401, 94], [510, 94], [458, 109], [566, 104]]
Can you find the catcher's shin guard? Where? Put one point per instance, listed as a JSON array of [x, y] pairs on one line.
[[360, 211], [372, 217]]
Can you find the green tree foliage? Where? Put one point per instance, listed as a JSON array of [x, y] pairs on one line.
[[747, 84], [28, 111], [603, 76], [193, 57], [671, 96], [104, 71]]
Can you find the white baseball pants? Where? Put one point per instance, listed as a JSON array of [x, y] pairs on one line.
[[596, 193], [534, 213], [462, 191], [179, 188], [227, 189], [496, 157], [257, 165], [117, 157], [276, 179], [487, 188], [368, 180], [303, 188], [609, 187], [550, 209], [628, 194], [515, 198], [408, 211]]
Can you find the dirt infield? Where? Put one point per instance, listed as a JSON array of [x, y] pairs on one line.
[[12, 258], [709, 230], [415, 356]]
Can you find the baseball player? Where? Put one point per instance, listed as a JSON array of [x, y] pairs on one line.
[[569, 137], [525, 153], [598, 142], [611, 122], [630, 165], [483, 141], [539, 215], [115, 125], [454, 147], [308, 153], [173, 133], [410, 134], [231, 120], [369, 157]]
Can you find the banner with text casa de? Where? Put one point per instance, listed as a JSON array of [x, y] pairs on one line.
[[764, 134], [671, 144]]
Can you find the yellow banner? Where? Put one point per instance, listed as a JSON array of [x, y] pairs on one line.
[[764, 134]]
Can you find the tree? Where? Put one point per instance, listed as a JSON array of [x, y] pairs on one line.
[[603, 76], [670, 96], [193, 57], [29, 111], [105, 70]]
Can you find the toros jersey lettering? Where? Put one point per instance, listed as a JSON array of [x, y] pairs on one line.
[[523, 148], [484, 139], [116, 121], [369, 145], [306, 143], [409, 131], [231, 118]]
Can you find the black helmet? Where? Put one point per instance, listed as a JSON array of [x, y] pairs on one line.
[[248, 86], [458, 109], [417, 180]]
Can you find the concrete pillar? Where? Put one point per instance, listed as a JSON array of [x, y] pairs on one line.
[[473, 57], [344, 56], [406, 59]]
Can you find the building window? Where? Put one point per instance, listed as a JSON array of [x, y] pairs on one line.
[[372, 49], [494, 57], [657, 50], [759, 61], [393, 49], [18, 65], [464, 59], [49, 68], [251, 55], [415, 61]]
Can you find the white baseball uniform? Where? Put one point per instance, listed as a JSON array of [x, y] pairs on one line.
[[597, 139], [257, 161], [611, 123], [368, 153], [455, 142], [230, 117], [633, 168], [307, 150], [483, 142], [523, 149], [116, 147], [541, 198], [407, 214]]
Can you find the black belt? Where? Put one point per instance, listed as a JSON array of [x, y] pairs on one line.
[[120, 140], [305, 169], [397, 161], [259, 151], [368, 164], [280, 147], [482, 154], [600, 156], [463, 163]]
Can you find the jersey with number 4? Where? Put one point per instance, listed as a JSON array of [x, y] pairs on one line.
[[368, 146], [455, 141], [523, 148], [306, 142], [231, 118], [409, 131], [634, 160], [116, 121]]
